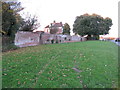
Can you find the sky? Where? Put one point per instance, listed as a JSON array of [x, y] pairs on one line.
[[65, 11]]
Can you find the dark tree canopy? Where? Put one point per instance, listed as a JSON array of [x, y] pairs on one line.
[[12, 21], [10, 18], [66, 29], [91, 25]]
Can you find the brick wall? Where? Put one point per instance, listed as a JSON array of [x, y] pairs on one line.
[[27, 38], [23, 39]]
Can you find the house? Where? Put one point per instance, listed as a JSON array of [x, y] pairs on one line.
[[47, 29], [54, 26]]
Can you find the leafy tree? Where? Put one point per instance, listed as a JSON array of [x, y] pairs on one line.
[[10, 18], [92, 25], [66, 29], [29, 24]]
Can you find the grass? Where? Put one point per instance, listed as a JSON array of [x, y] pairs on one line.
[[51, 66]]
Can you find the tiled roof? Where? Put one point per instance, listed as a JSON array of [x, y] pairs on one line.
[[47, 26]]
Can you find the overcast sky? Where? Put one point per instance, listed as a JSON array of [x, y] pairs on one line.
[[66, 10]]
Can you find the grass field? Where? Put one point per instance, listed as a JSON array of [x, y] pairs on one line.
[[90, 64]]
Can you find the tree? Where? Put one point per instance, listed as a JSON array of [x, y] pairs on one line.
[[10, 18], [29, 24], [92, 25], [66, 29]]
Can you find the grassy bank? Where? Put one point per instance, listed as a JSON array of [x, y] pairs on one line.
[[90, 64]]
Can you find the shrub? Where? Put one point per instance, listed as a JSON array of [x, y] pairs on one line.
[[52, 41], [9, 47], [8, 44]]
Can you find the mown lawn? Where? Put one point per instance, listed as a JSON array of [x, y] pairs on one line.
[[90, 64]]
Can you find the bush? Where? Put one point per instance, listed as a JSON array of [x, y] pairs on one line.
[[7, 44], [7, 40], [52, 41], [9, 47]]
